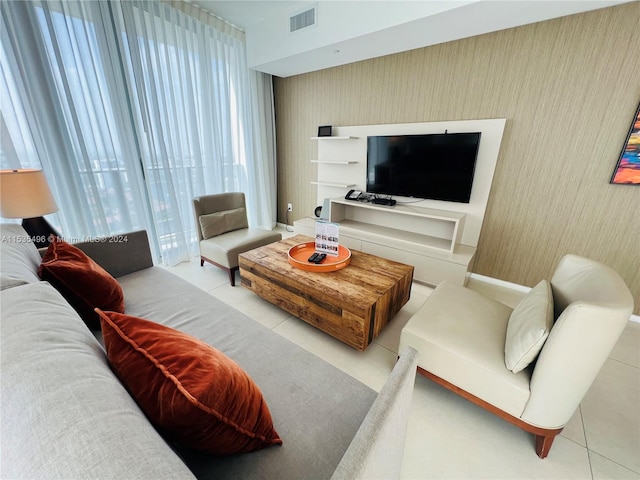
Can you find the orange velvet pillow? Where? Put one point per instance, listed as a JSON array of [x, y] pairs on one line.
[[81, 281], [196, 394]]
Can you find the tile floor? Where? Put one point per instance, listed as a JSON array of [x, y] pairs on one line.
[[449, 437]]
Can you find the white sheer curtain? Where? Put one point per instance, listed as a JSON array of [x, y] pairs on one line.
[[146, 107], [58, 55]]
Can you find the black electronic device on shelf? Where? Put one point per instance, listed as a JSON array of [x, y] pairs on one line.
[[353, 195], [384, 201]]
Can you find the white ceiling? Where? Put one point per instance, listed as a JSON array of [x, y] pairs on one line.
[[352, 30], [243, 13]]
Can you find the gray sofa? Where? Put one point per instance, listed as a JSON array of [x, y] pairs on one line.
[[64, 414]]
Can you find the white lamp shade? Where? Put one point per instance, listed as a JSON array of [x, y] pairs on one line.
[[25, 194]]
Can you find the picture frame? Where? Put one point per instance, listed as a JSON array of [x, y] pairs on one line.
[[324, 131], [627, 171]]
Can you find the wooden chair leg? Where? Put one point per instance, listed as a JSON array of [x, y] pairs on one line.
[[544, 442], [232, 275], [544, 437], [230, 271]]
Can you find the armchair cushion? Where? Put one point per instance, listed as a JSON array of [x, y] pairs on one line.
[[225, 221], [460, 335], [225, 248], [529, 326]]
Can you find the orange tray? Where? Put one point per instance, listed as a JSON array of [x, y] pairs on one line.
[[299, 254]]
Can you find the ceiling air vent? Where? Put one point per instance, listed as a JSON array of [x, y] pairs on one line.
[[302, 20]]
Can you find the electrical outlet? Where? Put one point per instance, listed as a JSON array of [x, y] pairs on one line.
[[289, 207]]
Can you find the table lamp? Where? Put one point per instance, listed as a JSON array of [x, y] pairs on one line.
[[25, 194]]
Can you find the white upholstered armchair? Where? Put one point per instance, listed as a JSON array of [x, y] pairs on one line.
[[223, 230], [531, 365]]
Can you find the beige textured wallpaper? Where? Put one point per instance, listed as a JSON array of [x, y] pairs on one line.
[[568, 88]]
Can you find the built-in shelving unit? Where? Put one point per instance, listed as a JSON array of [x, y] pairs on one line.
[[438, 238], [335, 162], [331, 184], [344, 137], [428, 239], [424, 229]]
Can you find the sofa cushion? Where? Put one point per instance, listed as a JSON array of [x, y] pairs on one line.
[[84, 283], [19, 259], [316, 423], [192, 391], [64, 412], [528, 328], [218, 223]]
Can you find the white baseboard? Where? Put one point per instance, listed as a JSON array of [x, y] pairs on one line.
[[521, 288], [500, 283]]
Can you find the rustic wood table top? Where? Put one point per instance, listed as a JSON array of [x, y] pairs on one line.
[[352, 304]]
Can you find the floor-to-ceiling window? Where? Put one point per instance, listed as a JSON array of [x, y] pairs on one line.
[[132, 109]]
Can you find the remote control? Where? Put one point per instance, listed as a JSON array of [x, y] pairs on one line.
[[313, 257], [320, 258]]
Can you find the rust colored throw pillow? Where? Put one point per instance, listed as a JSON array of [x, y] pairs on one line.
[[81, 281], [196, 394]]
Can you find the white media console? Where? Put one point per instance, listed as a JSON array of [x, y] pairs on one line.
[[438, 238]]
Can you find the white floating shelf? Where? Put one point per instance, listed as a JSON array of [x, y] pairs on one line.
[[336, 162], [329, 184], [334, 138]]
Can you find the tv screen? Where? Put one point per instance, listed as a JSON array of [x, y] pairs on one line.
[[430, 166]]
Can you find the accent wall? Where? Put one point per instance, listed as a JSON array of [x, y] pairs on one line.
[[568, 87]]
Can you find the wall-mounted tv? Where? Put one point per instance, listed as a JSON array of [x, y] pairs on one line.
[[431, 166]]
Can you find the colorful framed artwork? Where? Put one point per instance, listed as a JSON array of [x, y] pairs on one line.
[[627, 170]]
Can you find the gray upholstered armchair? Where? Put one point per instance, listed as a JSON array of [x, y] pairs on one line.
[[223, 230], [531, 365]]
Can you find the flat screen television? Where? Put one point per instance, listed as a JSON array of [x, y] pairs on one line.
[[430, 166]]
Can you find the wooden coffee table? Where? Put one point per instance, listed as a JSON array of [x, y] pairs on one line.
[[353, 304]]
